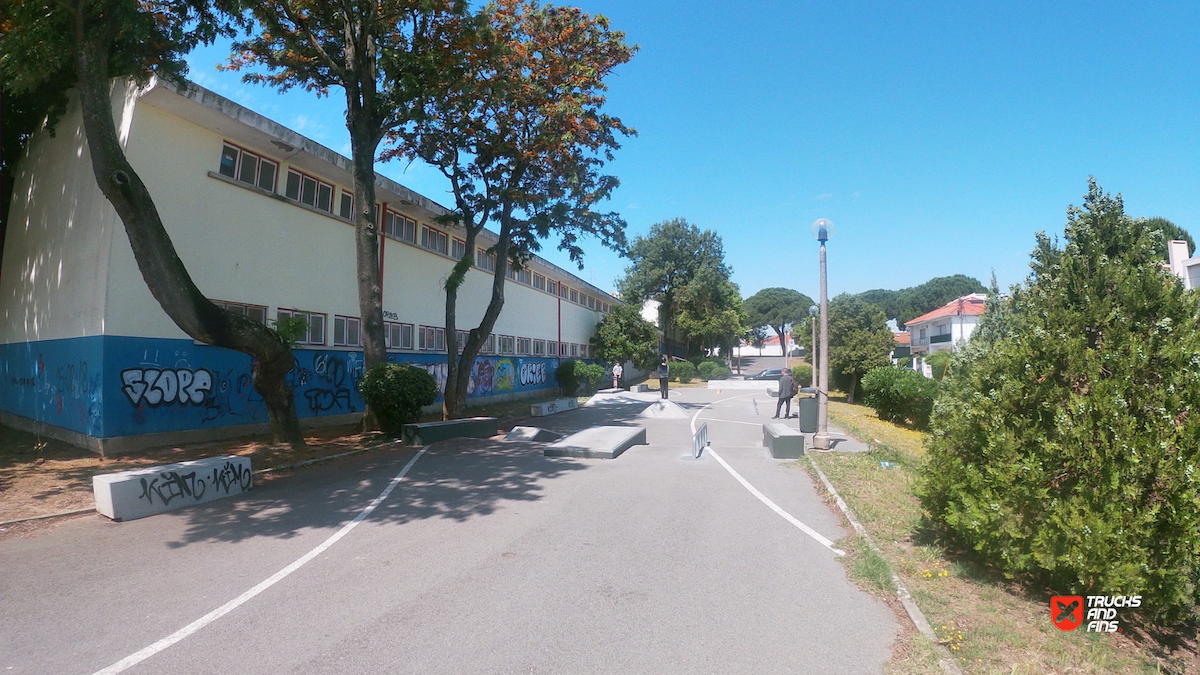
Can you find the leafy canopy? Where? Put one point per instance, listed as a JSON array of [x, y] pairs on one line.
[[780, 308], [1066, 440], [859, 338], [623, 335]]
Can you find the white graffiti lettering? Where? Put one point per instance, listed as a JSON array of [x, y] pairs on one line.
[[156, 387], [533, 373]]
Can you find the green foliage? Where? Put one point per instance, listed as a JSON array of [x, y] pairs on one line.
[[782, 309], [1170, 231], [803, 375], [682, 371], [710, 310], [623, 335], [289, 329], [1066, 439], [577, 376], [898, 395], [859, 339], [909, 303], [710, 369], [396, 392], [939, 363]]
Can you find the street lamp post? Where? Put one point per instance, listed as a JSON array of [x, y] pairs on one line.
[[813, 311], [822, 229]]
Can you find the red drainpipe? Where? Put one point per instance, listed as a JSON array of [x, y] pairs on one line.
[[382, 242], [558, 347]]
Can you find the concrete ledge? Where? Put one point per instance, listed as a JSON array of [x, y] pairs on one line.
[[129, 495], [534, 434], [783, 441], [639, 388], [432, 432], [551, 407], [597, 443]]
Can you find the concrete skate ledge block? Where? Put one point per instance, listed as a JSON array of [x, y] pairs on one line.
[[534, 434], [639, 388], [783, 441], [597, 443], [130, 495], [432, 432], [550, 407]]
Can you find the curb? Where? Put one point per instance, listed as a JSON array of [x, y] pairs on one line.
[[285, 467], [910, 606]]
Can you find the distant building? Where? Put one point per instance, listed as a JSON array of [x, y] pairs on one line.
[[1182, 266], [947, 326]]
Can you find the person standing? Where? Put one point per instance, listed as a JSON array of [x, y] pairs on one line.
[[664, 373], [787, 389], [618, 371]]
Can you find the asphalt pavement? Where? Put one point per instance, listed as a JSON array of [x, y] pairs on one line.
[[485, 558]]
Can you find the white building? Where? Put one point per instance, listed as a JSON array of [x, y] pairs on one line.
[[946, 326], [1182, 266], [259, 215]]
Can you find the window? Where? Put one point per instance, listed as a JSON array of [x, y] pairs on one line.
[[346, 207], [256, 312], [604, 308], [552, 287], [308, 190], [510, 271], [398, 335], [574, 350], [525, 277], [591, 302], [489, 345], [562, 349], [539, 347], [399, 227], [539, 282], [346, 331], [462, 340], [433, 239], [432, 339], [248, 167], [485, 260], [458, 248], [574, 295], [563, 291], [315, 330], [507, 344], [523, 346]]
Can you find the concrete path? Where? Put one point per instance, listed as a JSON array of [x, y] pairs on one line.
[[486, 558]]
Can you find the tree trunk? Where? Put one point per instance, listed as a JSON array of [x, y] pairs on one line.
[[853, 387], [161, 268]]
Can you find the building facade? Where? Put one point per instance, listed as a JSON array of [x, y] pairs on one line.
[[947, 326], [260, 215]]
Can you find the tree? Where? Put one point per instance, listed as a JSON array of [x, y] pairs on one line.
[[665, 261], [623, 335], [516, 125], [1066, 442], [710, 312], [83, 44], [1170, 232], [859, 339], [381, 54], [908, 303], [783, 309]]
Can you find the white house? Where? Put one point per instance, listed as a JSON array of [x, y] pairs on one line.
[[1182, 266], [946, 326], [260, 216]]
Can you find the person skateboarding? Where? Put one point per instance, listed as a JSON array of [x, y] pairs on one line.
[[787, 389], [618, 371]]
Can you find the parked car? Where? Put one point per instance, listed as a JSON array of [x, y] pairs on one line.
[[768, 374]]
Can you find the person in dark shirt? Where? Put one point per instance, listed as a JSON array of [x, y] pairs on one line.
[[787, 389], [664, 373]]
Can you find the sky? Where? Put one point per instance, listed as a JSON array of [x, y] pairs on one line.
[[938, 137]]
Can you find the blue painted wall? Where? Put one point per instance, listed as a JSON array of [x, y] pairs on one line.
[[108, 386]]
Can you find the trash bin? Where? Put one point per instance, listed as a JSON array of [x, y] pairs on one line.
[[807, 409]]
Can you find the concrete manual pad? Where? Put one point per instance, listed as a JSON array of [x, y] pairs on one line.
[[663, 409], [534, 434], [130, 495], [551, 407], [432, 432], [623, 398], [784, 441], [597, 443]]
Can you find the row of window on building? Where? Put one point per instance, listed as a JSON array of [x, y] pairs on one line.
[[347, 332], [258, 171]]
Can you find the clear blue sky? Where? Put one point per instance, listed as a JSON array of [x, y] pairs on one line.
[[938, 137]]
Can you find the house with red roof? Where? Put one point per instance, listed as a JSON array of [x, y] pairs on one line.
[[946, 326]]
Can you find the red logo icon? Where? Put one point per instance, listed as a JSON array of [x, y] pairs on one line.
[[1066, 611]]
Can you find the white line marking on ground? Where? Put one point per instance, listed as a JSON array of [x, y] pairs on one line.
[[761, 497], [713, 419], [142, 655]]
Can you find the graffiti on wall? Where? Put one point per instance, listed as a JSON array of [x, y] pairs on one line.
[[533, 373], [183, 386]]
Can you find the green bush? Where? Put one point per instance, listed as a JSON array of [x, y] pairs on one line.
[[713, 370], [939, 363], [576, 376], [900, 395], [1066, 440], [396, 392], [682, 371], [802, 374]]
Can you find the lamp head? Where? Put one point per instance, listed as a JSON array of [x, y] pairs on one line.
[[822, 229], [813, 310]]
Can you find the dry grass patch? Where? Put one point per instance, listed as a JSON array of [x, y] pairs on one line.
[[989, 624]]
